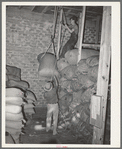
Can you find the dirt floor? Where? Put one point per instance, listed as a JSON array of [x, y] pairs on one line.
[[33, 136]]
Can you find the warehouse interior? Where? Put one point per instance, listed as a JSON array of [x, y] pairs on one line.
[[29, 32]]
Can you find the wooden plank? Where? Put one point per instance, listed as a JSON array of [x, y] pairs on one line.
[[103, 72], [91, 45], [59, 34], [96, 111], [80, 34], [33, 8], [97, 29], [44, 10]]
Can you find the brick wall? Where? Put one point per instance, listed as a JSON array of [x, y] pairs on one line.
[[27, 35]]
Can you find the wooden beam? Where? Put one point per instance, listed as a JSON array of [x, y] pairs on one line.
[[80, 10], [80, 34], [91, 45], [44, 10], [97, 29], [59, 34], [103, 71], [33, 8]]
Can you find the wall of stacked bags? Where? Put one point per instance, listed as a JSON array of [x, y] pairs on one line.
[[19, 104], [27, 35]]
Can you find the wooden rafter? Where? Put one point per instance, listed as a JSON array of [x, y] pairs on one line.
[[45, 9]]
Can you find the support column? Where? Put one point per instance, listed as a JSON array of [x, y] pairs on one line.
[[59, 34], [80, 34], [103, 71]]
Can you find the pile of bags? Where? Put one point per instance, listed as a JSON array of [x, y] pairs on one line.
[[13, 113], [77, 84], [29, 105], [19, 102]]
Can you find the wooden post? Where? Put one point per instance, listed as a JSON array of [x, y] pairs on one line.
[[97, 28], [80, 34], [103, 72], [59, 35]]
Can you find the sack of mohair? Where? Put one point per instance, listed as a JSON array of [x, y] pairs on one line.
[[14, 71], [19, 84], [64, 102], [86, 96], [93, 60], [72, 55], [62, 92], [47, 66], [75, 85], [62, 63], [69, 72], [93, 72], [30, 95], [77, 95], [85, 81], [67, 99], [82, 66]]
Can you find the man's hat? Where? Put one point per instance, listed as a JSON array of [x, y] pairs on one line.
[[48, 86]]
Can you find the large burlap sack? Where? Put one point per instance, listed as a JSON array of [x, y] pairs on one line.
[[14, 116], [93, 61], [12, 130], [14, 100], [62, 93], [69, 72], [67, 99], [19, 84], [30, 95], [16, 137], [62, 63], [14, 71], [14, 124], [82, 66], [77, 95], [72, 55], [47, 66], [83, 110], [28, 106], [14, 92], [86, 96], [85, 81], [29, 111], [13, 109], [9, 139], [75, 85], [93, 72], [66, 85], [12, 77]]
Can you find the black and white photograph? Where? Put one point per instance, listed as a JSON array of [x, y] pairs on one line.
[[58, 70]]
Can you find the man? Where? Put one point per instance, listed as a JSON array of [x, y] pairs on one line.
[[51, 96]]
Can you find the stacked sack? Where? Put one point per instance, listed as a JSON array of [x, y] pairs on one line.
[[78, 80], [13, 112], [28, 107], [13, 75], [13, 79]]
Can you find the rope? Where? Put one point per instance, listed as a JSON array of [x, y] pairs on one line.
[[53, 34]]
